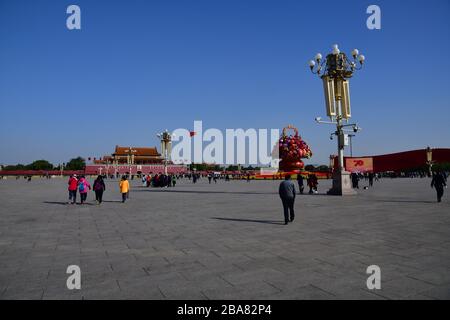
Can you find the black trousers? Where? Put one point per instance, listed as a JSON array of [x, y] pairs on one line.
[[440, 193], [288, 207], [83, 197], [99, 195], [124, 197], [73, 196], [301, 187]]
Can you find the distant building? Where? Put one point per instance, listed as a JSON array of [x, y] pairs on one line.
[[131, 156]]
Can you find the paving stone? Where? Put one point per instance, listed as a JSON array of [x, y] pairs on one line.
[[224, 241]]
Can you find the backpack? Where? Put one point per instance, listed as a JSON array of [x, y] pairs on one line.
[[97, 185], [81, 187]]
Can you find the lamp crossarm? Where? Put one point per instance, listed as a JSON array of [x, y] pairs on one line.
[[326, 122], [349, 125]]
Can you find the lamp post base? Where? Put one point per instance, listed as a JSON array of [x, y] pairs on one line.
[[342, 184]]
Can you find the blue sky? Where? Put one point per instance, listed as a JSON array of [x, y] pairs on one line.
[[138, 67]]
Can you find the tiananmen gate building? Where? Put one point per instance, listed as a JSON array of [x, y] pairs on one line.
[[132, 155]]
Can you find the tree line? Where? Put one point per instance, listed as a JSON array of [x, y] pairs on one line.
[[78, 163]]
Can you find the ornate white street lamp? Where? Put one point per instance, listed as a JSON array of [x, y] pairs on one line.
[[166, 146], [335, 70]]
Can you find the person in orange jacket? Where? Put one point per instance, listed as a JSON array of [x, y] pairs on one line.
[[124, 188]]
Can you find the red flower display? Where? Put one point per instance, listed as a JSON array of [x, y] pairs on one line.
[[292, 150]]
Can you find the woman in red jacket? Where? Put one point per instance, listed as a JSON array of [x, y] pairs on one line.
[[73, 186]]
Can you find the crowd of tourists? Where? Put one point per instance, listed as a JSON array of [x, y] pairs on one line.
[[159, 180], [368, 177], [80, 185]]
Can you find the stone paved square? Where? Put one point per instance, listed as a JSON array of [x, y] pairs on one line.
[[224, 241]]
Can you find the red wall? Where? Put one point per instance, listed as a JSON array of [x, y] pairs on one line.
[[406, 160]]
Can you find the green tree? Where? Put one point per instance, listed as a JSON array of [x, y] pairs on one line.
[[444, 166], [309, 167], [323, 168], [40, 165], [199, 166], [76, 164], [14, 168]]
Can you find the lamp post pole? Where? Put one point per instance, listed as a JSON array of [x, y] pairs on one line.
[[430, 161], [129, 163], [115, 166], [339, 134], [166, 147], [350, 136], [335, 70], [331, 166]]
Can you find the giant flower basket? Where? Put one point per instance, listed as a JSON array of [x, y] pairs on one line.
[[292, 150]]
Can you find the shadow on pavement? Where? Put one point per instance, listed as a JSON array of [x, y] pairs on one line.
[[62, 203], [406, 201], [313, 194], [250, 220], [57, 202], [200, 191]]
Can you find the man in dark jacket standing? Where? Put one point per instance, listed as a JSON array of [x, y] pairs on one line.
[[300, 182], [438, 182], [287, 195]]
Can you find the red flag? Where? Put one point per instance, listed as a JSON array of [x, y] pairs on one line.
[[192, 133]]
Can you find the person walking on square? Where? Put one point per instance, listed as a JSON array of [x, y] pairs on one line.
[[287, 194], [155, 180], [174, 181], [99, 187], [312, 183], [167, 179], [300, 182], [438, 182], [370, 179], [315, 183], [355, 180], [83, 187], [73, 186], [124, 186]]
